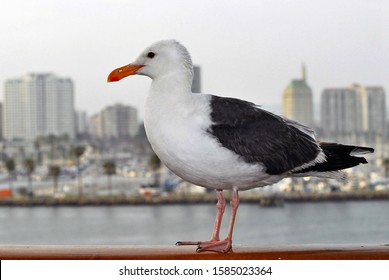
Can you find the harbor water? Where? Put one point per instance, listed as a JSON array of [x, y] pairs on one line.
[[351, 222]]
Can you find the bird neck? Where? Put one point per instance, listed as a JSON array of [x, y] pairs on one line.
[[173, 83], [168, 97]]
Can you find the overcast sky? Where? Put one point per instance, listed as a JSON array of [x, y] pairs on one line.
[[247, 49]]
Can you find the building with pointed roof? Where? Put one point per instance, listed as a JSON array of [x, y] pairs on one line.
[[297, 103]]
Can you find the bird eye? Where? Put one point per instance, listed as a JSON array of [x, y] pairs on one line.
[[150, 55]]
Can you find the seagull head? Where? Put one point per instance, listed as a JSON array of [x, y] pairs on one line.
[[161, 58]]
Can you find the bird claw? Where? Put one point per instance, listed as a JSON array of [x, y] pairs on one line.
[[182, 243], [223, 246], [220, 246]]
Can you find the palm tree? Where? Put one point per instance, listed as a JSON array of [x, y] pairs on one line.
[[10, 165], [77, 152], [52, 141], [54, 172], [63, 143], [29, 166], [109, 170], [38, 152]]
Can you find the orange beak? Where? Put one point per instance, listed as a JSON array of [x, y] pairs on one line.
[[122, 72]]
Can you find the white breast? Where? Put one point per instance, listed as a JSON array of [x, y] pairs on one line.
[[177, 131]]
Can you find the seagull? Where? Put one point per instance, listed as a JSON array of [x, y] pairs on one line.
[[225, 143]]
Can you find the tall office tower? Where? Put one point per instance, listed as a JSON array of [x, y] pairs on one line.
[[340, 109], [95, 126], [119, 121], [81, 122], [196, 84], [373, 108], [353, 110], [297, 101], [38, 105]]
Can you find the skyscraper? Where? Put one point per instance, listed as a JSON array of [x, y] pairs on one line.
[[297, 101], [373, 108], [116, 121], [38, 105], [196, 84], [356, 109], [339, 107], [81, 123]]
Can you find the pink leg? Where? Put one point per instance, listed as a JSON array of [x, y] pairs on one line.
[[215, 244], [220, 205], [225, 245]]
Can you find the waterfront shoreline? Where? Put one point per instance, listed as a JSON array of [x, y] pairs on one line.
[[170, 199]]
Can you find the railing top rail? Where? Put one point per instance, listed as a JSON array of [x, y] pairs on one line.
[[160, 252]]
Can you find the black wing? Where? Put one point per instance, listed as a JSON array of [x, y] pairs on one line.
[[259, 136]]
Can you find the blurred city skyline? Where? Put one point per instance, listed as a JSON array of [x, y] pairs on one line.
[[249, 50]]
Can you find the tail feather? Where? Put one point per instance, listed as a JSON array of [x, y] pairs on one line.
[[338, 157], [348, 149]]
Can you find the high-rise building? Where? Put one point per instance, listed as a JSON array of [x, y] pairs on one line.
[[38, 105], [95, 126], [356, 109], [297, 103], [339, 107], [117, 121], [81, 123], [196, 83], [377, 109]]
